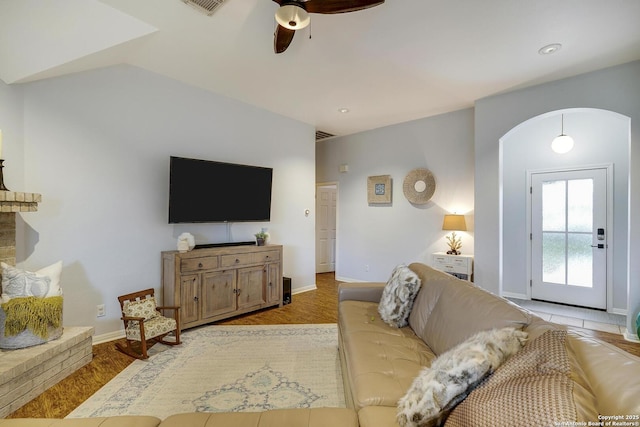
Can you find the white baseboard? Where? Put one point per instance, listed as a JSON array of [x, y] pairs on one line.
[[515, 295], [620, 311], [350, 280], [304, 289], [112, 336], [109, 336], [633, 337]]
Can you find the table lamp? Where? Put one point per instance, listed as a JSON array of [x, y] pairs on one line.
[[453, 223]]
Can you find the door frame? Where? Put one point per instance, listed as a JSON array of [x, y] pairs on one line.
[[315, 227], [610, 247]]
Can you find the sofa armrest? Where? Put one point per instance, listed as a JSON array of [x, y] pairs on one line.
[[369, 291]]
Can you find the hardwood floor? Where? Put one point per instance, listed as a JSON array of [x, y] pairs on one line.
[[319, 306]]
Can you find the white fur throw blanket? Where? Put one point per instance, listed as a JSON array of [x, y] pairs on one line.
[[453, 375]]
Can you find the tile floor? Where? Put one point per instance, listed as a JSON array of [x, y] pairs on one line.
[[576, 316]]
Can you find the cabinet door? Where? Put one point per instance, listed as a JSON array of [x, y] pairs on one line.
[[274, 283], [189, 304], [251, 286], [218, 293]]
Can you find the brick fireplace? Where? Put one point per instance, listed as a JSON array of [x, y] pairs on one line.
[[10, 203], [25, 373]]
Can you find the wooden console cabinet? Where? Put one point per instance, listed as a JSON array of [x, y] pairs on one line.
[[216, 283]]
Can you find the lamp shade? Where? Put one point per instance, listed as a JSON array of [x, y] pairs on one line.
[[562, 144], [454, 222], [292, 17]]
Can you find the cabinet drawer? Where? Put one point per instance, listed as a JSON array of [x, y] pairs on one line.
[[195, 264], [451, 264], [233, 260], [266, 256]]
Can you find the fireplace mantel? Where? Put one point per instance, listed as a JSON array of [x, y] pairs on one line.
[[10, 203], [13, 201]]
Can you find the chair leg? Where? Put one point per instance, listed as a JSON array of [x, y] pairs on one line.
[[130, 351]]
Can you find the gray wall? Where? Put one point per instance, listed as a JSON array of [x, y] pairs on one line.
[[615, 89], [601, 138], [97, 146], [383, 236]]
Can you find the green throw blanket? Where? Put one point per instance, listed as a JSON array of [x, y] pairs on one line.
[[36, 314]]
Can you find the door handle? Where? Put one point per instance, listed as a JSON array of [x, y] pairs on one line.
[[599, 246]]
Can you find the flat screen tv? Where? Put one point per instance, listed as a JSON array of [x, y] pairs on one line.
[[209, 191]]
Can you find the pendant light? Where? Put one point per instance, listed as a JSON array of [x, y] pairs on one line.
[[562, 143], [292, 17]]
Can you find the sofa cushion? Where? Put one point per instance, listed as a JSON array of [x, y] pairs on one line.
[[433, 283], [299, 417], [453, 374], [604, 367], [121, 421], [535, 385], [448, 310], [381, 361], [377, 416], [398, 295]]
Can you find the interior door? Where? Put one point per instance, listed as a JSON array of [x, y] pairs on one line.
[[569, 237], [326, 201]]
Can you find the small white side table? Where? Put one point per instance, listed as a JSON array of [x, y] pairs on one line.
[[460, 266]]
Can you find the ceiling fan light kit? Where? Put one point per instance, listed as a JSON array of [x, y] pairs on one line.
[[292, 16]]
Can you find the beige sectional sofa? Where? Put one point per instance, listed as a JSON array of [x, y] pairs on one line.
[[379, 362], [315, 417]]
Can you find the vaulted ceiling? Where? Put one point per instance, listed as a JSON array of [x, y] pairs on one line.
[[402, 60]]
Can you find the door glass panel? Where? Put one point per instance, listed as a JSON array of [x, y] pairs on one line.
[[580, 202], [580, 260], [553, 205], [553, 258]]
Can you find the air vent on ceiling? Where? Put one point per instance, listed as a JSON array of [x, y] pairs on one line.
[[208, 7], [322, 135]]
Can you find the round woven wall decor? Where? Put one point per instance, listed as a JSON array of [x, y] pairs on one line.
[[419, 186]]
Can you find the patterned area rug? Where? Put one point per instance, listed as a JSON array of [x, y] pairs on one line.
[[228, 369]]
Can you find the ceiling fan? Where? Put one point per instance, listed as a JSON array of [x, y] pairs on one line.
[[294, 15]]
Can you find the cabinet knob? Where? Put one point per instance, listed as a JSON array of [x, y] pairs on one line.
[[237, 260], [200, 265], [195, 299], [267, 256], [238, 291]]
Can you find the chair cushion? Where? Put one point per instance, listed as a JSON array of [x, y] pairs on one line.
[[153, 327], [142, 308]]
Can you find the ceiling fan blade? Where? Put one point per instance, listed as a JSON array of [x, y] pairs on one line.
[[282, 38], [339, 6]]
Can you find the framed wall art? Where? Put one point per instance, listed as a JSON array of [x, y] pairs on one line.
[[379, 189]]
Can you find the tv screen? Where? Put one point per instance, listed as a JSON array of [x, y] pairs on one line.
[[208, 191]]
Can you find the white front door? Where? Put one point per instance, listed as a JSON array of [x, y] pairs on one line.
[[326, 198], [569, 237]]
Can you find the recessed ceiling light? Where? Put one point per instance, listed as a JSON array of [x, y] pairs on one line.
[[343, 110], [549, 49]]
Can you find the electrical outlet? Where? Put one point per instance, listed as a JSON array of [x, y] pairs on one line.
[[102, 310]]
